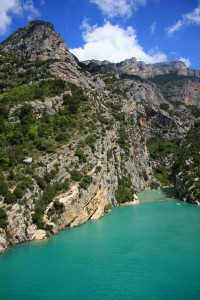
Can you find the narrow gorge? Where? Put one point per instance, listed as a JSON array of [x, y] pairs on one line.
[[77, 138]]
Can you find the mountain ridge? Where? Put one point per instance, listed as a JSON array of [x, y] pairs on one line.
[[133, 67], [56, 48]]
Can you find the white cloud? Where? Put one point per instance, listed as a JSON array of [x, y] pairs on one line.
[[13, 8], [114, 43], [185, 60], [187, 19], [30, 10], [153, 27], [118, 8], [7, 7]]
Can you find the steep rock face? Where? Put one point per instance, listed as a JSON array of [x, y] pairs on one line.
[[37, 41], [186, 169], [139, 68], [188, 94], [134, 67]]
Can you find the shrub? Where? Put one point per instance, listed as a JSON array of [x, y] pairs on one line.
[[164, 106], [40, 206], [79, 152], [3, 187], [85, 182], [62, 137], [107, 207], [98, 169], [109, 154], [76, 175], [72, 103], [124, 191], [18, 192], [49, 176], [123, 139], [48, 195], [58, 206], [162, 174], [40, 182], [38, 220], [3, 218], [10, 198]]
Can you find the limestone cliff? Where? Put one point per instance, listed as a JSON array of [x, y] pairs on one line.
[[139, 68]]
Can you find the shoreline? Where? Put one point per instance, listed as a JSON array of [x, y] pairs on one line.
[[130, 203]]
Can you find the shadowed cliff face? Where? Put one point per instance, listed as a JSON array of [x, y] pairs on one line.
[[74, 135]]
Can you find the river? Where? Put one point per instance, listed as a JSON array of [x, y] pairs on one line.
[[150, 251]]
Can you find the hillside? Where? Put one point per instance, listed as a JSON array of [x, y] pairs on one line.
[[76, 140]]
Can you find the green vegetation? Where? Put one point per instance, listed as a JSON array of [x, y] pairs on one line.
[[123, 139], [163, 151], [37, 217], [109, 154], [72, 101], [49, 194], [32, 134], [86, 180], [9, 198], [160, 148], [22, 93], [163, 175], [164, 106], [107, 207], [124, 192], [59, 207], [15, 70], [132, 77], [172, 78], [194, 110], [76, 175], [82, 157], [90, 141], [3, 218]]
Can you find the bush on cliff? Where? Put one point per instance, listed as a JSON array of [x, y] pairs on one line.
[[124, 192], [3, 218]]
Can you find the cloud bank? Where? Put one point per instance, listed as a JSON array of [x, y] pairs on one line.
[[114, 43], [13, 8], [187, 19]]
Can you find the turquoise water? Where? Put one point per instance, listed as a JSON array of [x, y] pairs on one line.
[[149, 251]]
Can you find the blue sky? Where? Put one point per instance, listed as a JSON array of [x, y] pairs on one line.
[[150, 30]]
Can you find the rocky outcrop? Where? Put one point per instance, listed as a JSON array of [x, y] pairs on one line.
[[187, 93], [37, 41], [3, 241]]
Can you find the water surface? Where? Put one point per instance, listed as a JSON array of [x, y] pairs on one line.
[[149, 251]]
